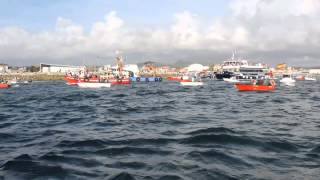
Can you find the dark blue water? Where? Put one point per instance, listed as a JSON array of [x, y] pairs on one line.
[[159, 131]]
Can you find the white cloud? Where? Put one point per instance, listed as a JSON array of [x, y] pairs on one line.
[[185, 31], [286, 29]]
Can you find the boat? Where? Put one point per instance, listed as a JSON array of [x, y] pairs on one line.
[[224, 74], [146, 79], [241, 67], [300, 77], [174, 78], [309, 78], [191, 83], [71, 80], [14, 81], [4, 85], [94, 85], [121, 76], [253, 86], [231, 80], [120, 81], [27, 82], [191, 80], [288, 80]]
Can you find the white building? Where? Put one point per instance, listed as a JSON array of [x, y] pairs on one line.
[[56, 68], [4, 68], [196, 68], [314, 71]]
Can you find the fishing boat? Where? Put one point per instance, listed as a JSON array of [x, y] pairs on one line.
[[94, 85], [288, 80], [192, 80], [260, 86], [4, 85], [121, 76], [71, 80]]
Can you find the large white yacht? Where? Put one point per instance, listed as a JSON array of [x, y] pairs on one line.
[[242, 68]]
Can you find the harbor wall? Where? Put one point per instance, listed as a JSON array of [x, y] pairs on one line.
[[33, 76]]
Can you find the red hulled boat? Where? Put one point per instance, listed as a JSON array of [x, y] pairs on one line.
[[4, 86], [71, 80], [256, 87], [173, 78]]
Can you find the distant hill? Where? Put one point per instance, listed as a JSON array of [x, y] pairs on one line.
[[180, 63], [149, 62], [176, 64]]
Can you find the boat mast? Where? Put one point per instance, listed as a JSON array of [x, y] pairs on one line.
[[120, 64]]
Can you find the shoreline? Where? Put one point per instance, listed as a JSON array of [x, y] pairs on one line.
[[32, 76]]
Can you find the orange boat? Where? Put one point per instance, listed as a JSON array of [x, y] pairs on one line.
[[256, 87], [173, 78], [185, 80], [4, 86], [71, 80]]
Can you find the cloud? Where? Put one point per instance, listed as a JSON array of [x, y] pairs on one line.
[[265, 30]]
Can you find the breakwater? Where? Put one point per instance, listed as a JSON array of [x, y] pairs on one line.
[[33, 76]]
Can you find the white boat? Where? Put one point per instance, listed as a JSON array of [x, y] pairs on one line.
[[231, 80], [13, 82], [192, 83], [288, 80], [94, 85], [310, 78], [27, 82]]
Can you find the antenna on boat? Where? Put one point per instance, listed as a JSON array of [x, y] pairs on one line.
[[234, 52]]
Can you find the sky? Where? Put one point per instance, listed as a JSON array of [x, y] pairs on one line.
[[82, 32]]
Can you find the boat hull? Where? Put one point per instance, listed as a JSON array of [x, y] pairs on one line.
[[188, 83], [120, 81], [310, 79], [146, 79], [230, 80], [252, 87], [94, 85], [4, 86], [222, 75], [71, 80], [174, 78], [288, 81]]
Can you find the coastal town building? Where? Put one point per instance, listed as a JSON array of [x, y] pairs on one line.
[[195, 68], [56, 68], [4, 68], [314, 71]]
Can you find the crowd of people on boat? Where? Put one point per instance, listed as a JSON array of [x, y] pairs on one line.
[[105, 77]]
